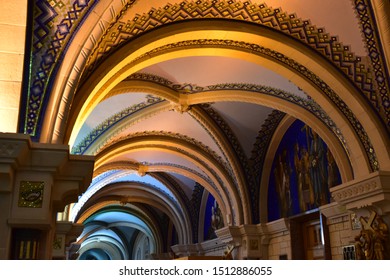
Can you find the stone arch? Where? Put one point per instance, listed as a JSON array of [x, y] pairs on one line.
[[224, 191], [96, 90], [138, 211]]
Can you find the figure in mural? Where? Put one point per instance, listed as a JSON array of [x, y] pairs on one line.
[[216, 217], [332, 170], [303, 172], [282, 178], [317, 169], [308, 190], [299, 175], [304, 185]]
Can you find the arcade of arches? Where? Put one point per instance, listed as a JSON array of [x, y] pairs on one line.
[[192, 128]]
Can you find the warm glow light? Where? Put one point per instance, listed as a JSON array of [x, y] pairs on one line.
[[12, 38]]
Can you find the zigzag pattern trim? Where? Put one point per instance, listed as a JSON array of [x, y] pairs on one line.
[[370, 32], [49, 42], [259, 153], [98, 131]]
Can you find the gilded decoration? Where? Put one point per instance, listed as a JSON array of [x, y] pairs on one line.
[[31, 194], [372, 240]]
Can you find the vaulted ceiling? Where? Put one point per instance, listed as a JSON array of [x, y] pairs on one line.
[[173, 97]]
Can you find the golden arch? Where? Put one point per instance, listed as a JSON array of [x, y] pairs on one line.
[[121, 64], [235, 95]]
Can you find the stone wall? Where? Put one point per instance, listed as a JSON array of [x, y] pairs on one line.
[[341, 235]]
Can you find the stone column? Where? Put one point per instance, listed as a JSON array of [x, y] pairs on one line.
[[38, 180]]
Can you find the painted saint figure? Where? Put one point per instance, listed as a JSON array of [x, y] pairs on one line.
[[216, 217], [305, 188], [282, 178], [300, 180], [317, 169]]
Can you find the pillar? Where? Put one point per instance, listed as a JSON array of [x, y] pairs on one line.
[[37, 181]]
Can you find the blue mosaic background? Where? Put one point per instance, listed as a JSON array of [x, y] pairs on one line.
[[297, 134]]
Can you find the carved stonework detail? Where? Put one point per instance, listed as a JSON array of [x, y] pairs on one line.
[[355, 191], [7, 149], [371, 242]]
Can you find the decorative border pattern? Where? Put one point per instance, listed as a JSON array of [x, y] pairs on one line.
[[259, 153], [55, 23], [237, 148], [355, 191], [370, 32], [98, 131]]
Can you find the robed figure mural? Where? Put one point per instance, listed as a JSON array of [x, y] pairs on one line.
[[302, 173]]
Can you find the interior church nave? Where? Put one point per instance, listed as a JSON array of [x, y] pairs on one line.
[[184, 129]]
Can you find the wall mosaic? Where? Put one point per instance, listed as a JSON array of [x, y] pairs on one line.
[[302, 173], [213, 218]]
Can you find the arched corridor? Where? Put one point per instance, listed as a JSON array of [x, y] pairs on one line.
[[174, 129]]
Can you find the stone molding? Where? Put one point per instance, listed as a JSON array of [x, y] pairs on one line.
[[373, 190]]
